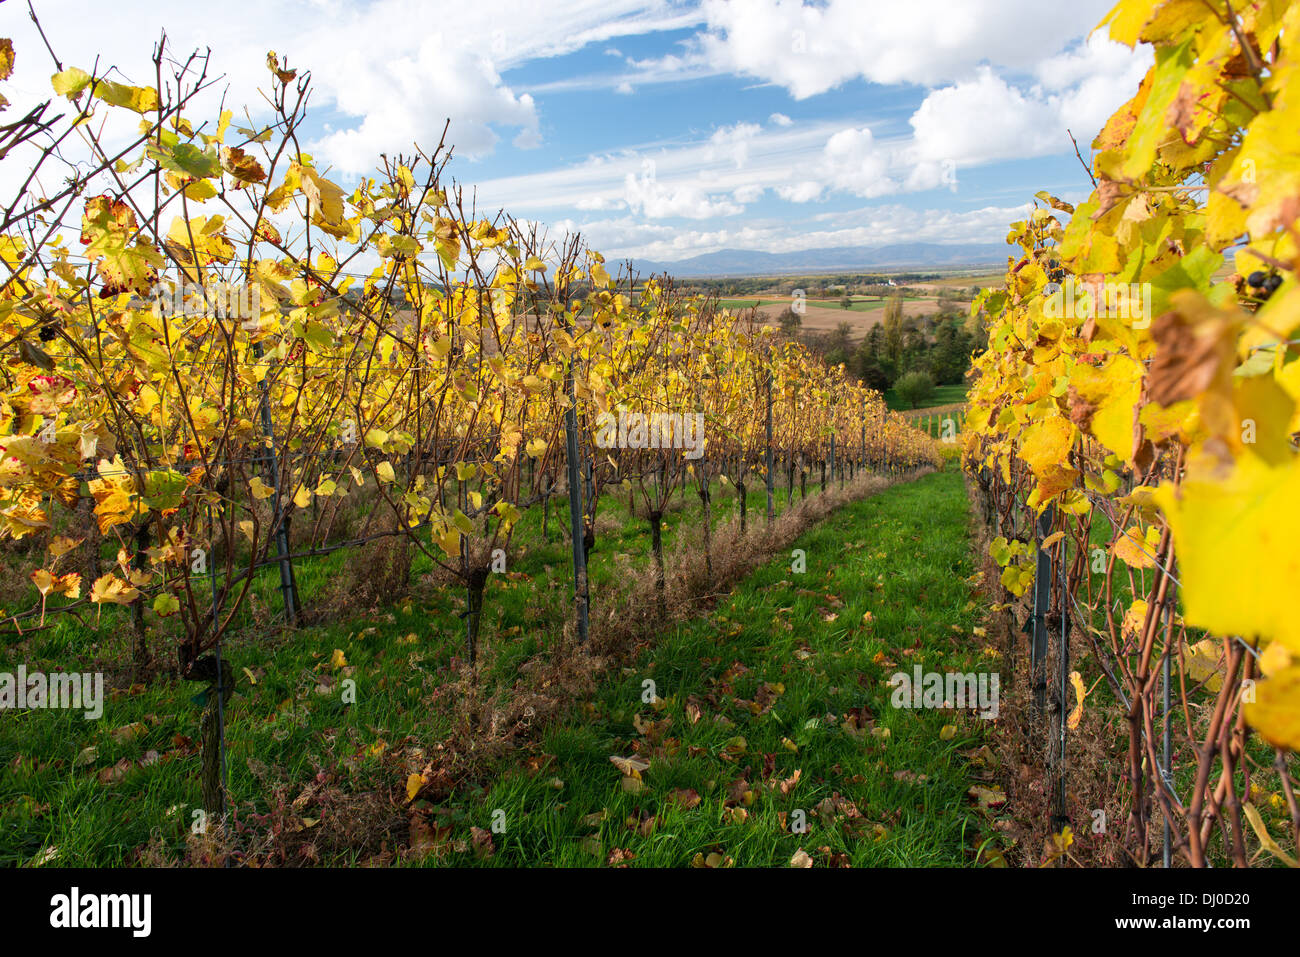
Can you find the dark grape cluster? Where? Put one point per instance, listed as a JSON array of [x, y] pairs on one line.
[[1262, 284], [47, 333]]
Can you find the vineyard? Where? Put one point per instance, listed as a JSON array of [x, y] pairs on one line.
[[201, 383], [386, 520], [1131, 438]]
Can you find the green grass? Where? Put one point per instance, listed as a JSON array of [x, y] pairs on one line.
[[943, 395], [774, 672], [291, 723], [890, 792]]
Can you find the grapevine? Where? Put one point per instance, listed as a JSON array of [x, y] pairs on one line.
[[1141, 382]]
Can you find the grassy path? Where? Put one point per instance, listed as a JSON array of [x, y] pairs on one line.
[[771, 713]]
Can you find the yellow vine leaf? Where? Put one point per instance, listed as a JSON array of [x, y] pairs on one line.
[[1205, 663], [413, 784], [259, 489], [1275, 712], [1236, 540], [448, 539], [1266, 840], [1104, 398], [1137, 550], [1045, 446], [1080, 693], [116, 502], [48, 583], [109, 588]]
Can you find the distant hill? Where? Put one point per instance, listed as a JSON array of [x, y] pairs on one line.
[[751, 262]]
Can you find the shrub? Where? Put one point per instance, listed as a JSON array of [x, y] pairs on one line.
[[914, 387]]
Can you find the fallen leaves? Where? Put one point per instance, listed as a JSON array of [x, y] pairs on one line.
[[1080, 694], [684, 798], [787, 785], [425, 839], [987, 798], [631, 767], [714, 859]]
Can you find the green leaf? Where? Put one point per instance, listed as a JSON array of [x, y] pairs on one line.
[[164, 490], [318, 337], [186, 159], [1172, 64]]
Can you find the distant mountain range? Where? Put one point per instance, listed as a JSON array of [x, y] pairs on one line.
[[751, 262]]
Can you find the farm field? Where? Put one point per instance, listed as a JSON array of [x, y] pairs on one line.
[[822, 316]]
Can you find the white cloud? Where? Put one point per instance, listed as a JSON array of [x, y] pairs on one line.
[[809, 48], [873, 226], [996, 78], [733, 165], [397, 108], [656, 200], [985, 119], [672, 68], [853, 163], [981, 120], [395, 69], [1092, 81], [733, 142], [802, 192], [595, 203]]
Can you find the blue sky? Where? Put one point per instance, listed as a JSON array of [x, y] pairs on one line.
[[664, 129]]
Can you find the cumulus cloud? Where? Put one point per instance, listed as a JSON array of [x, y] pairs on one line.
[[1090, 82], [392, 70], [993, 79], [655, 200], [733, 142], [809, 48], [384, 96], [804, 191], [981, 120], [986, 118], [853, 163]]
